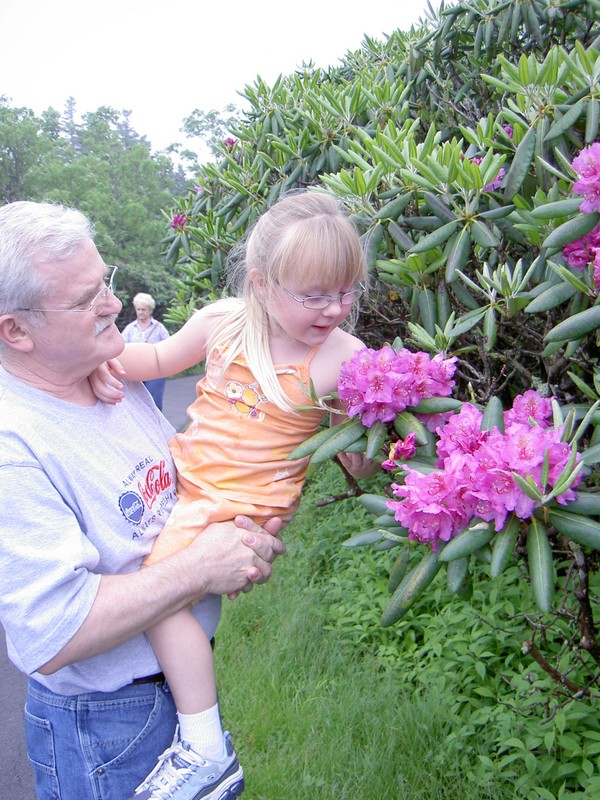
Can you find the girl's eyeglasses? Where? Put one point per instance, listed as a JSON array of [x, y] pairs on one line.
[[315, 302]]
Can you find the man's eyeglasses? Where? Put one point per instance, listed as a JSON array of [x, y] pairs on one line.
[[97, 305], [316, 302]]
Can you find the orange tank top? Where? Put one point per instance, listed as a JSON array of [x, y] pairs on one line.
[[237, 443]]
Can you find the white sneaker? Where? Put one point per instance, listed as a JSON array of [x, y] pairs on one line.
[[182, 774]]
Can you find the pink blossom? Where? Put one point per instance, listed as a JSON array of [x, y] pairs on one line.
[[433, 507], [230, 143], [378, 384], [179, 222], [508, 130], [528, 405], [474, 475], [402, 450], [597, 270], [587, 166], [462, 433], [581, 252]]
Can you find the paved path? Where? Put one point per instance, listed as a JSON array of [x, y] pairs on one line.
[[16, 777]]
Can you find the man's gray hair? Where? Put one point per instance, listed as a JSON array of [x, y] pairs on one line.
[[32, 234]]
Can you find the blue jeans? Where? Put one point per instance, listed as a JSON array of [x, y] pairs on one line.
[[157, 389], [96, 746]]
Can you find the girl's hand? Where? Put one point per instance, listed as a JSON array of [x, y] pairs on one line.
[[105, 384], [358, 465]]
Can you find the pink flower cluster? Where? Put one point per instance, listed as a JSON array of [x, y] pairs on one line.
[[475, 471], [496, 183], [587, 166], [378, 384], [584, 251], [179, 222]]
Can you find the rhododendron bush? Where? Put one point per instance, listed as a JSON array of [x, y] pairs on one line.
[[466, 481], [467, 153]]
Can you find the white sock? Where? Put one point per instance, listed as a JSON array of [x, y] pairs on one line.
[[203, 733]]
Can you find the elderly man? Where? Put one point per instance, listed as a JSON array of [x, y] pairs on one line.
[[86, 488]]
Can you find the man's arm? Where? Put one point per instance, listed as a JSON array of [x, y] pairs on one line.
[[224, 559]]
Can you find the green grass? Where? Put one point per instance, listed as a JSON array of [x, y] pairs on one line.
[[314, 716]]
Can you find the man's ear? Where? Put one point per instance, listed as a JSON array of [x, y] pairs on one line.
[[14, 334]]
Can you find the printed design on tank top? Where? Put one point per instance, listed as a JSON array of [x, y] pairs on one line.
[[245, 399]]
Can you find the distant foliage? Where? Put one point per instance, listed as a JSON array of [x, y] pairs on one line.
[[103, 167]]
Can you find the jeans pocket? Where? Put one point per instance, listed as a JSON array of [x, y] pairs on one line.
[[40, 750], [123, 739]]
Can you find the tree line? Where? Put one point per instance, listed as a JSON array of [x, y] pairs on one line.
[[105, 168]]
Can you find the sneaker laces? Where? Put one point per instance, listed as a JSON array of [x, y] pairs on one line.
[[171, 772]]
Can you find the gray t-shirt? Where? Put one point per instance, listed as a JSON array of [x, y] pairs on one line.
[[85, 490]]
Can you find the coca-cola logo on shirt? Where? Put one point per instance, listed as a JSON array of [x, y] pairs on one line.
[[133, 503], [158, 478]]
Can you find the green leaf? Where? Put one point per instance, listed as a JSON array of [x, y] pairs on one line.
[[581, 529], [483, 236], [587, 503], [457, 252], [575, 327], [456, 574], [504, 546], [406, 423], [541, 565], [560, 208], [529, 487], [428, 310], [398, 570], [566, 121], [376, 437], [435, 238], [411, 587], [439, 208], [369, 536], [551, 298], [394, 208], [592, 120], [571, 230], [493, 415], [375, 503], [437, 405], [473, 538], [520, 165], [592, 455]]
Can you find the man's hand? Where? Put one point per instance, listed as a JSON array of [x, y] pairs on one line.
[[223, 559], [236, 555], [273, 527]]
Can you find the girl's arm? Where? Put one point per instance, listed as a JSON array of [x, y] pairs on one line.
[[144, 361]]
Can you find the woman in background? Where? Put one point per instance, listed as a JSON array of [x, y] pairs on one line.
[[147, 329]]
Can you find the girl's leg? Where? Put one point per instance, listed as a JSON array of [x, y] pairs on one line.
[[185, 655]]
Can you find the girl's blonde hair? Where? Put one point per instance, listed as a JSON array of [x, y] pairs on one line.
[[306, 237]]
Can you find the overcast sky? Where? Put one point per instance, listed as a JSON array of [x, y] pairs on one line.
[[161, 60]]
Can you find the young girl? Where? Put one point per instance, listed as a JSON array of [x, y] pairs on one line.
[[303, 271]]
